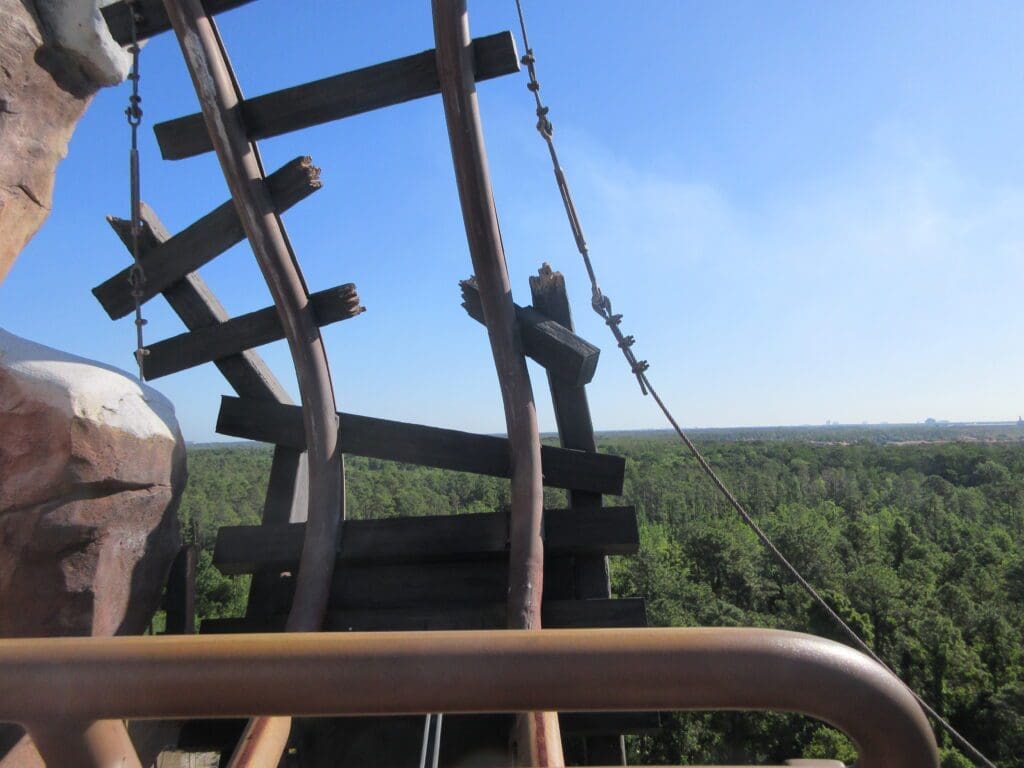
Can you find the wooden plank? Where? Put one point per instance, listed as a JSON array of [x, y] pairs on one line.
[[460, 584], [152, 17], [251, 548], [417, 444], [333, 98], [575, 429], [238, 334], [557, 614], [563, 354], [204, 240], [198, 308]]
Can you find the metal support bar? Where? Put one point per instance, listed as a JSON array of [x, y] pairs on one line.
[[48, 681], [219, 98]]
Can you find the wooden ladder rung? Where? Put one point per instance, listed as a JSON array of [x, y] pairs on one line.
[[152, 18], [337, 97], [604, 530], [550, 344], [204, 240], [422, 445], [557, 614], [238, 334]]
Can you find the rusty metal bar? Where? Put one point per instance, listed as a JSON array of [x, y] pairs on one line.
[[537, 740], [219, 98], [44, 681]]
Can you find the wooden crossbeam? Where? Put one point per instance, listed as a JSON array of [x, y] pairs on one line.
[[152, 18], [562, 353], [204, 240], [609, 530], [334, 98], [244, 332], [194, 302], [417, 444], [457, 583], [557, 614]]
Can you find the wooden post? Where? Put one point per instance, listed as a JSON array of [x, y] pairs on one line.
[[180, 600], [576, 430]]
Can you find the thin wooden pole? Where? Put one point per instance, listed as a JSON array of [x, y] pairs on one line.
[[537, 740]]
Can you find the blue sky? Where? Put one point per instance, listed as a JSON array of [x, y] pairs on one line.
[[806, 211]]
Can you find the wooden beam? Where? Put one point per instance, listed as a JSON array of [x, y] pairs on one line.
[[417, 444], [153, 18], [563, 354], [238, 334], [557, 614], [194, 302], [180, 598], [204, 240], [247, 549], [334, 98], [460, 583]]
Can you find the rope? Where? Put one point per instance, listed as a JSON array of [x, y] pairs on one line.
[[603, 306], [136, 275]]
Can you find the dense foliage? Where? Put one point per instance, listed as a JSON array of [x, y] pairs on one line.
[[918, 546]]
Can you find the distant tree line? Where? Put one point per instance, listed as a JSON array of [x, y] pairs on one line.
[[918, 547]]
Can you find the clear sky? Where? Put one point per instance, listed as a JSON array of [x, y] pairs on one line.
[[806, 211]]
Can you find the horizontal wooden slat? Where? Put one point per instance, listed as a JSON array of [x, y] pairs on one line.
[[204, 240], [417, 444], [604, 530], [238, 334], [153, 18], [561, 352], [557, 614], [333, 98]]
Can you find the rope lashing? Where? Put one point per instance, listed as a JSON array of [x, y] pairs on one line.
[[136, 275], [603, 306]]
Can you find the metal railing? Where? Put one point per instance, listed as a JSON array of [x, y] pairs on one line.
[[60, 688]]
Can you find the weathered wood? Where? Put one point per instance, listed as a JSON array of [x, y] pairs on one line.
[[244, 332], [152, 17], [557, 614], [459, 584], [180, 598], [250, 548], [198, 308], [417, 444], [204, 240], [575, 429], [563, 354], [333, 98]]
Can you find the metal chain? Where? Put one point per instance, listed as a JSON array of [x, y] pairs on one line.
[[603, 306], [136, 275]]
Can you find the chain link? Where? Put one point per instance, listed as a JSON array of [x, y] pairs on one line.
[[136, 275]]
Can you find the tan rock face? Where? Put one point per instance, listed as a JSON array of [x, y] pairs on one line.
[[92, 466]]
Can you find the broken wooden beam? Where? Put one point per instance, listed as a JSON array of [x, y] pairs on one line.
[[250, 548], [204, 240], [423, 445], [563, 354], [238, 334], [557, 614], [333, 98], [151, 17]]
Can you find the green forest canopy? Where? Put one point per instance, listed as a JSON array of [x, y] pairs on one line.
[[918, 545]]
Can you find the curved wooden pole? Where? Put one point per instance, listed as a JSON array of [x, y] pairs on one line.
[[219, 98], [537, 740], [392, 673]]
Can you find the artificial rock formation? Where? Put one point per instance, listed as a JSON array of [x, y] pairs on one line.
[[92, 466], [54, 55]]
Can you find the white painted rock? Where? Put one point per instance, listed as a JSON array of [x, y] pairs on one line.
[[77, 27], [92, 466]]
